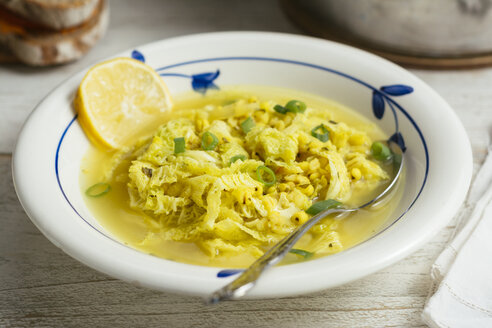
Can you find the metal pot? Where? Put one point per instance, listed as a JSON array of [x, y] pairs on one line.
[[433, 28]]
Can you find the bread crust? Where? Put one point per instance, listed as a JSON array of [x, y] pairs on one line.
[[55, 14]]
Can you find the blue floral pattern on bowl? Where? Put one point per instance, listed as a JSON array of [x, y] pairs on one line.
[[138, 56], [199, 82], [381, 97], [228, 272]]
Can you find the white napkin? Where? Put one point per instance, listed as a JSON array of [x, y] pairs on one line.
[[461, 291]]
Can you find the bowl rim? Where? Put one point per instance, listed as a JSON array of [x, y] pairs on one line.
[[186, 282]]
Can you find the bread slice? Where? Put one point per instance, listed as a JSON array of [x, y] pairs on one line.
[[35, 45], [56, 14]]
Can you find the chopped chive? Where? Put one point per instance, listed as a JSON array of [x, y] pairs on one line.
[[380, 151], [98, 190], [293, 106], [296, 106], [237, 157], [323, 205], [263, 169], [179, 145], [247, 125], [323, 136], [209, 141], [280, 109], [302, 253]]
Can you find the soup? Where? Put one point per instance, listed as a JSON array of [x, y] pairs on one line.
[[229, 174]]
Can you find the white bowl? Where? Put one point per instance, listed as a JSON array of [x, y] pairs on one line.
[[49, 150]]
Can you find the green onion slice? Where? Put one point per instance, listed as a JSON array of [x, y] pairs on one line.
[[259, 174], [235, 158], [179, 145], [98, 190], [301, 252], [293, 106], [247, 125], [323, 205], [321, 133], [280, 109], [380, 151], [296, 106], [209, 141]]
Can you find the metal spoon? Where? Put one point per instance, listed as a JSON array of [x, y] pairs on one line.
[[242, 284]]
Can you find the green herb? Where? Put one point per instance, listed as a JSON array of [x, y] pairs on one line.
[[302, 253], [323, 205], [235, 158], [293, 106], [321, 133], [296, 106], [280, 109], [98, 190], [209, 141], [179, 145], [380, 151], [247, 125], [259, 174]]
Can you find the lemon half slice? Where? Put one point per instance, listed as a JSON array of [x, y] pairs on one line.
[[119, 98]]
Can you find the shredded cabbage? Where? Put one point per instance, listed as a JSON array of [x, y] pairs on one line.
[[201, 196]]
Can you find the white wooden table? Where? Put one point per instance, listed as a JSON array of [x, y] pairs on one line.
[[40, 286]]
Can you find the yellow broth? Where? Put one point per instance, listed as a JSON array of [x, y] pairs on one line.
[[129, 226]]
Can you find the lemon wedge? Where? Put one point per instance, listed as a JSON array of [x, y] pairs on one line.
[[118, 99]]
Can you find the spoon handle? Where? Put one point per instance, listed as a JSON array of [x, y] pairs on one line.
[[247, 279]]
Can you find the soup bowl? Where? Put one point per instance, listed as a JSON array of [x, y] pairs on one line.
[[47, 158]]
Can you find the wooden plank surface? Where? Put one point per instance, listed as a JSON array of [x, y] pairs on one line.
[[40, 286]]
